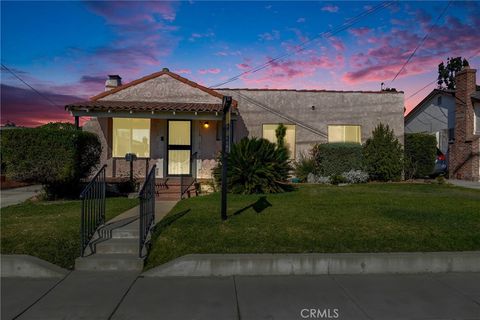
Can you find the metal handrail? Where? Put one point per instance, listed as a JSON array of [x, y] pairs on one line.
[[147, 208], [187, 182], [93, 208]]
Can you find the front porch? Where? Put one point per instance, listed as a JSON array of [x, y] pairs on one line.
[[179, 143], [164, 119]]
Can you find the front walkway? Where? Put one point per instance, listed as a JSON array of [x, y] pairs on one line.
[[465, 184], [120, 296], [18, 195]]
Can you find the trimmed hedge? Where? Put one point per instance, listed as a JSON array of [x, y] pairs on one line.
[[56, 158], [420, 154], [332, 159]]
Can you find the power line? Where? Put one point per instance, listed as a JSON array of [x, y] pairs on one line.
[[300, 47], [31, 87], [281, 115], [421, 41], [429, 84]]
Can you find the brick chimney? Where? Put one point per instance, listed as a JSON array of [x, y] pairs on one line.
[[463, 155], [464, 114], [113, 81]]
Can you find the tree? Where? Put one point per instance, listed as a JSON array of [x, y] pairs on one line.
[[383, 155], [446, 74]]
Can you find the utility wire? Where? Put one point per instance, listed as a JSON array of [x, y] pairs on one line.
[[31, 87], [281, 115], [429, 84], [421, 41], [300, 47]]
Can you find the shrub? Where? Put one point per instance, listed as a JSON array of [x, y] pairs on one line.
[[303, 167], [312, 178], [383, 155], [420, 154], [337, 179], [355, 176], [256, 166], [337, 158], [58, 159]]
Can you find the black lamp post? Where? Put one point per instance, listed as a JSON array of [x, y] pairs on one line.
[[226, 104]]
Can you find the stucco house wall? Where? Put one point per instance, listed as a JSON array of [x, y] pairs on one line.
[[330, 108]]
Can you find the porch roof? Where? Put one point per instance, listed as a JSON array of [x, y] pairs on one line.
[[145, 106]]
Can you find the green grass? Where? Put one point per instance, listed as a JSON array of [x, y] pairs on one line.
[[49, 230], [316, 218]]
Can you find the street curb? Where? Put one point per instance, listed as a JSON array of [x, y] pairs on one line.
[[25, 266], [204, 265]]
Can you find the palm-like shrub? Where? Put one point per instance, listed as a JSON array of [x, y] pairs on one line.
[[256, 166]]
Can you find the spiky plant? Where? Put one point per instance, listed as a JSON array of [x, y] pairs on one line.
[[256, 166]]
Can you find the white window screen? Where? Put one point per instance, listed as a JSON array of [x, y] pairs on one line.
[[344, 134], [269, 134], [131, 136]]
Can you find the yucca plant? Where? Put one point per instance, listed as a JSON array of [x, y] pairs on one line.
[[256, 166]]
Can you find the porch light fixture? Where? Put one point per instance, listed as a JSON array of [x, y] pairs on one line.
[[206, 125], [153, 112], [173, 112], [109, 111], [196, 113], [131, 111]]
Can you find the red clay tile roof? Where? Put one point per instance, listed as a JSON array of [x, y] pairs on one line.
[[143, 106], [158, 74]]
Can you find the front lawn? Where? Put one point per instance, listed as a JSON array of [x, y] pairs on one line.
[[318, 218], [49, 230]]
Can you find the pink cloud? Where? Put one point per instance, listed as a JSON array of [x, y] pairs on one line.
[[337, 44], [389, 52], [330, 8], [360, 32], [196, 35], [301, 20], [211, 71], [24, 107]]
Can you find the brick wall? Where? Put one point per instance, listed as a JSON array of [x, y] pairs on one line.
[[464, 159]]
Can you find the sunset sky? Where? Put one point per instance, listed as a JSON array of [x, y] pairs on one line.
[[66, 49]]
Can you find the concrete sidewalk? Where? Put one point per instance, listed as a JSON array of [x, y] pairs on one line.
[[465, 184], [107, 296], [18, 195]]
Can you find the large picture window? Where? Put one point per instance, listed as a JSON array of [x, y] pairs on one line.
[[131, 136], [269, 134], [344, 134]]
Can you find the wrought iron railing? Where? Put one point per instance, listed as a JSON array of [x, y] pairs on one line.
[[147, 208], [187, 181], [93, 208]]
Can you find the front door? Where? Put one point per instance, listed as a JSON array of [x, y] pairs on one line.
[[179, 147]]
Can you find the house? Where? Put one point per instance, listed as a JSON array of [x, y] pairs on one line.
[[453, 117], [464, 151], [175, 123], [435, 114]]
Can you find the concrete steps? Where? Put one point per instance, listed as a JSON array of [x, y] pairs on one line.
[[118, 245], [109, 262], [116, 248]]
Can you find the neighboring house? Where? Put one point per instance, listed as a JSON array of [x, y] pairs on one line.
[[454, 118], [175, 123], [435, 114], [464, 152]]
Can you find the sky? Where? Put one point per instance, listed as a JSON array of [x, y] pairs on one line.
[[66, 49]]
